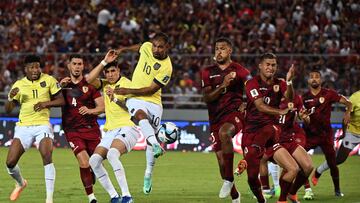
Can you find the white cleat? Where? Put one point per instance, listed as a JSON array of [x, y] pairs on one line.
[[226, 189], [237, 200]]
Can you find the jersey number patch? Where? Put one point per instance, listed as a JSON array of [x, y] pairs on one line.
[[73, 102], [147, 69], [35, 94]]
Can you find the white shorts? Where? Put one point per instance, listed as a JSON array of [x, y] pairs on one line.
[[28, 134], [351, 140], [127, 135], [154, 111]]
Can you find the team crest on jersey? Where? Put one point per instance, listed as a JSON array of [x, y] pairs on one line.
[[85, 89], [157, 66], [117, 86], [321, 100], [290, 105], [237, 120], [43, 84], [276, 88]]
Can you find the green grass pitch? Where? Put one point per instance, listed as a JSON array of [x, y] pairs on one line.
[[178, 178]]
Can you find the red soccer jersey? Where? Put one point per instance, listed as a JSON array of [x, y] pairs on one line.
[[320, 111], [231, 98], [271, 95], [288, 122], [76, 96]]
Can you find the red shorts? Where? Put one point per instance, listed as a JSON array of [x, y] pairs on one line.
[[300, 138], [270, 151], [290, 146], [265, 140], [236, 118], [78, 143]]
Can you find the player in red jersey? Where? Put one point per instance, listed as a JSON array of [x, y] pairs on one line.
[[222, 86], [291, 139], [79, 119], [318, 102], [264, 93]]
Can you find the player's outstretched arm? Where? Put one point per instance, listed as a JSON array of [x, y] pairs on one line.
[[100, 108], [211, 95], [145, 91], [56, 101], [262, 107], [289, 93], [348, 105], [92, 77], [132, 48]]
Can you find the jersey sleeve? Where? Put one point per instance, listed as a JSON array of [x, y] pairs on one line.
[[96, 93], [252, 91], [298, 103], [283, 86], [205, 79], [145, 48], [244, 74], [54, 85], [334, 96], [163, 76]]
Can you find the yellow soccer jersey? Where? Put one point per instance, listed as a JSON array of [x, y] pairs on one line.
[[150, 69], [31, 93], [354, 126], [116, 117]]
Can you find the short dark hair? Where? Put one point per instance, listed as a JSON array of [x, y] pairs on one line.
[[32, 59], [268, 55], [224, 39], [161, 36], [78, 56], [315, 70], [109, 65]]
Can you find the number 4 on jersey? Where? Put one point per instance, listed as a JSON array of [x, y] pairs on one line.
[[73, 102]]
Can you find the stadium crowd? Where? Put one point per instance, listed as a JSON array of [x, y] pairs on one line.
[[304, 31]]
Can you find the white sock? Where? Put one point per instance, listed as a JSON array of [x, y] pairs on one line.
[[323, 167], [49, 180], [148, 131], [91, 196], [274, 171], [101, 174], [150, 161], [113, 157], [16, 174]]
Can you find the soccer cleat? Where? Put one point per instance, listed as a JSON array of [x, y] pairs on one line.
[[237, 200], [277, 191], [268, 194], [226, 189], [147, 185], [309, 195], [293, 198], [242, 165], [93, 201], [339, 194], [157, 150], [127, 199], [281, 202], [18, 189], [115, 200], [314, 180]]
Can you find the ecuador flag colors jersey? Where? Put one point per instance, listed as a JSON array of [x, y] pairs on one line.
[[148, 70], [354, 126], [116, 117], [31, 93]]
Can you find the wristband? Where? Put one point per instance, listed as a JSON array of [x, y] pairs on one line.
[[115, 99], [289, 82], [103, 62], [10, 99]]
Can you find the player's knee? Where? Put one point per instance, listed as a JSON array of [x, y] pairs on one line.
[[308, 168], [10, 163], [140, 115], [113, 154], [95, 160], [293, 170]]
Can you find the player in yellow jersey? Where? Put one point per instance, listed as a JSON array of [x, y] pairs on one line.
[[120, 132], [153, 71], [35, 94], [350, 136]]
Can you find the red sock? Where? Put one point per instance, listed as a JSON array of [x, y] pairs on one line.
[[228, 166], [299, 181], [307, 184], [285, 187], [234, 193], [265, 182], [87, 179]]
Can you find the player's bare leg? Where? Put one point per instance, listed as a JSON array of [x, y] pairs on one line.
[[101, 174], [46, 149], [305, 163], [226, 133], [290, 170], [15, 152], [149, 132], [86, 175], [117, 149]]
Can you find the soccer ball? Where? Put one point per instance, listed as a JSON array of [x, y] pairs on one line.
[[168, 133]]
